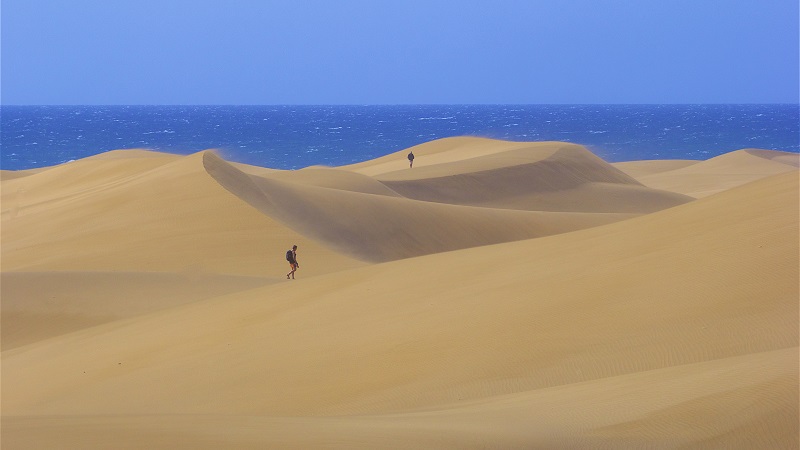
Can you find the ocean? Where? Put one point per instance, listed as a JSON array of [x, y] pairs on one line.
[[292, 137]]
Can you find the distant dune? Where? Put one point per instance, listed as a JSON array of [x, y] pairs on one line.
[[499, 294], [722, 172]]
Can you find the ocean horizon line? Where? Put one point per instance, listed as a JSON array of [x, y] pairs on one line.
[[407, 104]]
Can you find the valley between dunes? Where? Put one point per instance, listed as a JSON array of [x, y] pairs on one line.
[[497, 295]]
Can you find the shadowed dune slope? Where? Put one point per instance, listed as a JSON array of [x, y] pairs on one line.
[[616, 335], [157, 213], [792, 159], [723, 172], [382, 228], [533, 176]]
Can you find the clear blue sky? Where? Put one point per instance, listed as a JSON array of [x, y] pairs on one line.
[[398, 51]]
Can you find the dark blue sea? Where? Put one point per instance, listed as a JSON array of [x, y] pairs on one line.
[[291, 137]]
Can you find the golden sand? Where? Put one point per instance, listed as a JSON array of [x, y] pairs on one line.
[[497, 295]]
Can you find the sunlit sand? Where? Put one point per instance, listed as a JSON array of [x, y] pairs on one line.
[[497, 295]]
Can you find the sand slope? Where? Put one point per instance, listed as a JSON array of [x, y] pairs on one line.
[[677, 328], [41, 305]]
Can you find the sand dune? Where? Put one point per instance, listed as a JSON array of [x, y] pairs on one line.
[[142, 214], [722, 172], [383, 228], [540, 177], [670, 328], [40, 189]]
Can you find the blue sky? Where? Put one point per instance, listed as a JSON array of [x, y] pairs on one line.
[[398, 52]]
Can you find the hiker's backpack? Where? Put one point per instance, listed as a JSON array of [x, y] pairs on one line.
[[289, 256]]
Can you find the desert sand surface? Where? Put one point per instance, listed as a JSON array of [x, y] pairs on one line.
[[497, 295]]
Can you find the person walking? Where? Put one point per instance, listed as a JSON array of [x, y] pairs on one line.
[[411, 160], [291, 256]]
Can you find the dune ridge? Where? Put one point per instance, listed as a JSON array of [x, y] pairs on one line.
[[675, 326]]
